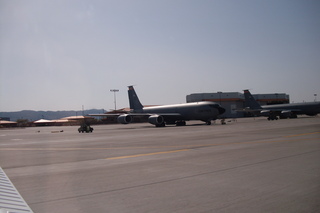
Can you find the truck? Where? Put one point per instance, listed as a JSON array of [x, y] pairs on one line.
[[85, 128]]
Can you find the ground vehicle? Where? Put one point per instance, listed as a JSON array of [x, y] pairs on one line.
[[85, 128]]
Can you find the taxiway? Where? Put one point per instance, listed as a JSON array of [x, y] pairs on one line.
[[252, 165]]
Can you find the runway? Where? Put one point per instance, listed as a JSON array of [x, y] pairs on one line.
[[248, 165]]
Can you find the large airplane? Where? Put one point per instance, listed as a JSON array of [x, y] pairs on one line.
[[10, 198], [280, 110], [177, 114]]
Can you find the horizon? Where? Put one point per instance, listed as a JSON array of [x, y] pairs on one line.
[[80, 110]]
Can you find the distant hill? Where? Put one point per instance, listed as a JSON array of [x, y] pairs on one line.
[[49, 115]]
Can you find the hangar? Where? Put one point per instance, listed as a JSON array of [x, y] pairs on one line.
[[233, 101], [67, 121], [5, 123]]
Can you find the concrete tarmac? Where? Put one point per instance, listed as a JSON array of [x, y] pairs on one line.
[[248, 165]]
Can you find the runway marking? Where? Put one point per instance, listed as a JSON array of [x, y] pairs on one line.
[[187, 147], [66, 149], [201, 146], [147, 154], [310, 133]]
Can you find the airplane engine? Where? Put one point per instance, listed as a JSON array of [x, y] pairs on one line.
[[124, 119], [157, 120], [311, 113], [265, 112], [285, 114]]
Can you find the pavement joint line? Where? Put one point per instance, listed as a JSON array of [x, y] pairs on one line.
[[200, 146], [188, 147], [302, 134], [147, 154]]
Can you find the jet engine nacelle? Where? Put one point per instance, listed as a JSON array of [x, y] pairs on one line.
[[286, 114], [265, 112], [311, 113], [156, 119], [125, 119]]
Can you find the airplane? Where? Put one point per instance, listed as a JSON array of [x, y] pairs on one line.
[[11, 200], [177, 114], [280, 110]]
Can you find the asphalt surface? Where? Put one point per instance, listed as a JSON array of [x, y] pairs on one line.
[[248, 165]]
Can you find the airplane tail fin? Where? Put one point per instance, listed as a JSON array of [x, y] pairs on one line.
[[134, 101], [250, 101]]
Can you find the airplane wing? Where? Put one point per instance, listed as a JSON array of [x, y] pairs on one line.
[[150, 114], [247, 109], [10, 198], [153, 118], [168, 117], [135, 114], [267, 110], [284, 110], [272, 113]]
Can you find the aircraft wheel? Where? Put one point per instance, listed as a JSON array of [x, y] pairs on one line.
[[208, 122]]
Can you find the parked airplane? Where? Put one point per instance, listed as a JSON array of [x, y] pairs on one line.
[[169, 114], [280, 110]]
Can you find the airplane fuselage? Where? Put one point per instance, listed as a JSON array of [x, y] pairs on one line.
[[281, 110], [170, 114], [307, 108], [204, 110]]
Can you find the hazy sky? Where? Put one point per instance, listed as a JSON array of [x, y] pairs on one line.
[[60, 55]]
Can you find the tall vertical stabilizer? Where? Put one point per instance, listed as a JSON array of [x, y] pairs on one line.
[[134, 101], [250, 101]]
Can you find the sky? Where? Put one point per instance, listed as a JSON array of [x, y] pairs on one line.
[[68, 54]]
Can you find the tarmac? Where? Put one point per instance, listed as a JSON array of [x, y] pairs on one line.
[[247, 165]]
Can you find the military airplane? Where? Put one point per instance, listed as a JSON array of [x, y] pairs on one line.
[[177, 114], [280, 110]]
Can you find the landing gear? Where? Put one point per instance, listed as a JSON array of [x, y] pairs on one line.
[[208, 122], [272, 118], [223, 121]]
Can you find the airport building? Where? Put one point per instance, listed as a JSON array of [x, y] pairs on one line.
[[233, 101]]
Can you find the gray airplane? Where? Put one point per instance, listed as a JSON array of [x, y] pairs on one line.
[[280, 110], [176, 114]]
